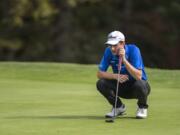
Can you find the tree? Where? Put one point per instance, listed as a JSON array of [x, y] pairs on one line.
[[75, 30]]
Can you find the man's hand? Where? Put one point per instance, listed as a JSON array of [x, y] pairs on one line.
[[122, 53], [122, 78]]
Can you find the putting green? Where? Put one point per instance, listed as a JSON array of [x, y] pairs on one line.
[[61, 99]]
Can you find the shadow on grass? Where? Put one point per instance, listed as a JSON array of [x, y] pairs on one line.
[[67, 117]]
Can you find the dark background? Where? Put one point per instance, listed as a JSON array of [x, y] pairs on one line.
[[75, 30]]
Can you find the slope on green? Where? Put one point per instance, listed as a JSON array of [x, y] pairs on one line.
[[61, 99]]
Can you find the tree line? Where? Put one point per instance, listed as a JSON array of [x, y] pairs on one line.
[[75, 30]]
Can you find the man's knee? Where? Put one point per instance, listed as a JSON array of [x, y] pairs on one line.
[[142, 87], [100, 84]]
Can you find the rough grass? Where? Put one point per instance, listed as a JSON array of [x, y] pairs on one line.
[[61, 99]]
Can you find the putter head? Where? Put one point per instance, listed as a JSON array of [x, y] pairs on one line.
[[110, 120]]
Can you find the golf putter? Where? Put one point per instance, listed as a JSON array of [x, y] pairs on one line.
[[117, 89]]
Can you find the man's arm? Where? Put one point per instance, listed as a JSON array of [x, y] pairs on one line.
[[136, 73], [107, 75]]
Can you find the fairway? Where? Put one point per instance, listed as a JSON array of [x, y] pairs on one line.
[[61, 99]]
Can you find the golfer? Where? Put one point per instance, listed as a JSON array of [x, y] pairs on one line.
[[132, 78]]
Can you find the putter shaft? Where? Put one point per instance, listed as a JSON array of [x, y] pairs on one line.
[[117, 86]]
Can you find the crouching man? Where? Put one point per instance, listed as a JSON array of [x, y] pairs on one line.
[[132, 78]]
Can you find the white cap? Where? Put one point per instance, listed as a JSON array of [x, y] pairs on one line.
[[115, 37]]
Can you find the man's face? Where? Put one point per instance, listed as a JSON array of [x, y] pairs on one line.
[[115, 48]]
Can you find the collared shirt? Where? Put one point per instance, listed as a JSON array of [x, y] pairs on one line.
[[132, 55]]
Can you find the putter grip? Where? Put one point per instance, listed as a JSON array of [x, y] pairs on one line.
[[119, 65]]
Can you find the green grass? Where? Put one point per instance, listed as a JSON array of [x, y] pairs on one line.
[[61, 99]]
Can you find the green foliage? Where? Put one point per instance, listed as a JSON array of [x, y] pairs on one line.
[[8, 44], [20, 10], [75, 30]]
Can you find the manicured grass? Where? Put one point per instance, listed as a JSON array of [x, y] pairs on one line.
[[61, 99]]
